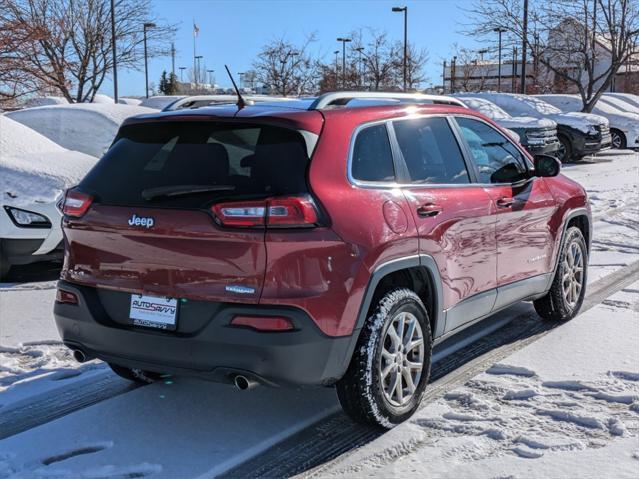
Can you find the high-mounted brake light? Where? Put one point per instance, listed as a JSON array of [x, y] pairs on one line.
[[288, 212], [76, 204]]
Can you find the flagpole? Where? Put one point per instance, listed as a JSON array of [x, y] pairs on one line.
[[194, 53]]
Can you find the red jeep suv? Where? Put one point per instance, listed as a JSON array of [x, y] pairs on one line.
[[328, 241]]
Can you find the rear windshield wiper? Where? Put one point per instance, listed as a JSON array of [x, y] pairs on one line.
[[182, 190]]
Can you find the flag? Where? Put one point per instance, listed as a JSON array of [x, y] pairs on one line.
[[196, 30]]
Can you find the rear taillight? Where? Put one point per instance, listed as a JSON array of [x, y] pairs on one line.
[[286, 212], [76, 204], [67, 297]]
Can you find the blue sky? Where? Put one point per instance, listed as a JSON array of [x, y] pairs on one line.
[[233, 31]]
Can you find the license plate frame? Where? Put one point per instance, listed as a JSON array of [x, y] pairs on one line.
[[157, 312]]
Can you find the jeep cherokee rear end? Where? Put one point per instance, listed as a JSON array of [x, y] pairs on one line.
[[208, 209]]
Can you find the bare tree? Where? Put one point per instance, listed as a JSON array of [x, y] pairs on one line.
[[67, 43], [584, 42], [286, 68], [415, 62]]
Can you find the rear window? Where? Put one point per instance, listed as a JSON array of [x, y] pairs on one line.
[[192, 164]]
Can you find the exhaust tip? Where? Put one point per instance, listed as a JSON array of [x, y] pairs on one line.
[[79, 355], [243, 383]]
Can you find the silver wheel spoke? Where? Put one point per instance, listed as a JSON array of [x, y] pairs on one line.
[[402, 358]]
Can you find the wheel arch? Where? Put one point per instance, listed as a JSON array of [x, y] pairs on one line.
[[418, 273]]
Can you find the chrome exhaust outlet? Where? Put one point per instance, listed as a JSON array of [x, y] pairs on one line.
[[243, 383], [79, 355]]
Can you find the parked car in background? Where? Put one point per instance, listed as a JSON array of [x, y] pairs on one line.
[[198, 101], [580, 134], [34, 172], [624, 125], [320, 242], [626, 97], [85, 127], [537, 135]]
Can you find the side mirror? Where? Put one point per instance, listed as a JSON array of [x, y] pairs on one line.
[[546, 165]]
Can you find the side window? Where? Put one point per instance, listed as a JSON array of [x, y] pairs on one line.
[[430, 151], [496, 158], [372, 157]]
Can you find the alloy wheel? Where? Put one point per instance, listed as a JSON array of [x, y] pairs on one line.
[[572, 281], [616, 140], [402, 359]]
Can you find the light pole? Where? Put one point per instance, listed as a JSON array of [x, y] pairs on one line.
[[336, 52], [211, 78], [453, 72], [344, 40], [361, 72], [146, 67], [481, 66], [524, 45], [115, 65], [405, 10], [182, 74], [499, 30], [241, 74], [197, 69]]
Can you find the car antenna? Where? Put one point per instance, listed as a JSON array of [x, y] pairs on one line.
[[240, 100]]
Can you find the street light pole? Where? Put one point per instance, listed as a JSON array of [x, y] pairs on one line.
[[524, 45], [336, 52], [453, 72], [211, 78], [115, 65], [405, 10], [344, 41], [197, 69], [182, 74], [146, 26], [241, 74], [499, 30]]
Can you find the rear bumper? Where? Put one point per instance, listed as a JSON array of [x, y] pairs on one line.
[[212, 350]]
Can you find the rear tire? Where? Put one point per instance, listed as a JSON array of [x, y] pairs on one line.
[[389, 370], [568, 289], [135, 375]]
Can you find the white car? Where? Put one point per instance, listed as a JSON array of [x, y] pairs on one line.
[[85, 127], [34, 172], [626, 97], [624, 125]]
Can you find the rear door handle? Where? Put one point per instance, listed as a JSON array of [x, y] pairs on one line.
[[428, 210], [505, 202]]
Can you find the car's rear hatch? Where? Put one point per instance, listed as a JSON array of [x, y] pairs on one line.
[[152, 226]]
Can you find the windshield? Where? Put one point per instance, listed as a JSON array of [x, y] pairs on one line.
[[191, 164]]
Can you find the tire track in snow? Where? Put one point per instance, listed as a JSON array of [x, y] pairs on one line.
[[35, 411], [313, 450]]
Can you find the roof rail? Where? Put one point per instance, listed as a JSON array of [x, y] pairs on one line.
[[342, 98]]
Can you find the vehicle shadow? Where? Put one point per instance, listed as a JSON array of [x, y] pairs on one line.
[[307, 451], [34, 273]]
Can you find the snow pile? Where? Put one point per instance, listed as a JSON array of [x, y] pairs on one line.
[[33, 168], [105, 99], [46, 101], [130, 101], [85, 127], [161, 101]]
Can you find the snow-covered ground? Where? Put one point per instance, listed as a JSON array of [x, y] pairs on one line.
[[566, 405]]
